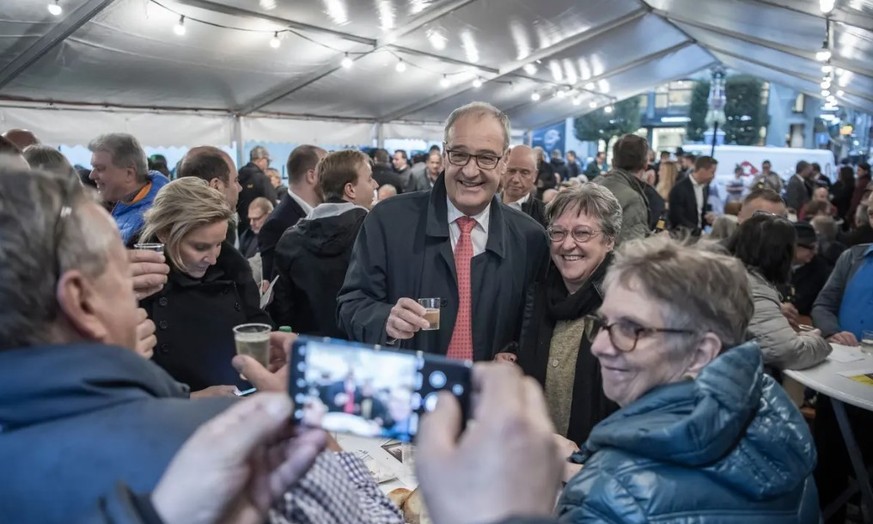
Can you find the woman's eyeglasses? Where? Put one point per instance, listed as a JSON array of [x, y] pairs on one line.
[[581, 236], [624, 334]]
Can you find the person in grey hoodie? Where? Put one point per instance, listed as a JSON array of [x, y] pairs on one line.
[[765, 244], [312, 257]]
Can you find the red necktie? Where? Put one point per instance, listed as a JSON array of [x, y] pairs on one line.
[[350, 402], [461, 346]]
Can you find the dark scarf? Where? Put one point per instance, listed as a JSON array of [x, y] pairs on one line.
[[564, 306]]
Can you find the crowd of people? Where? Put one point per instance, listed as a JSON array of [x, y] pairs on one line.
[[628, 337]]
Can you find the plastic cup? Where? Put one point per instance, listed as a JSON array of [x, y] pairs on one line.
[[253, 340], [150, 246], [432, 312]]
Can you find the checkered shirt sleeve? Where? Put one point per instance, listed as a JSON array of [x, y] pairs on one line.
[[338, 489]]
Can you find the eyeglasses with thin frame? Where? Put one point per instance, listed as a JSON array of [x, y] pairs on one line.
[[624, 334], [462, 158], [581, 236]]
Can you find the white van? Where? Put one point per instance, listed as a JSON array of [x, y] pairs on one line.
[[782, 159]]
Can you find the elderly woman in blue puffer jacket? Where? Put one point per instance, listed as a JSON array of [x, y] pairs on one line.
[[703, 434]]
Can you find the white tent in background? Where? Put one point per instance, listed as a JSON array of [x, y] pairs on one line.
[[112, 65]]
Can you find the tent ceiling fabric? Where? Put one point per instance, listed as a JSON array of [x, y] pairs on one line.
[[128, 56]]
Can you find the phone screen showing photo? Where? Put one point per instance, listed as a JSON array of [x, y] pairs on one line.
[[370, 391]]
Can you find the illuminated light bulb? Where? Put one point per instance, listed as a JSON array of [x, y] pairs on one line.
[[530, 69], [179, 29], [560, 93], [826, 83], [841, 93], [577, 101], [824, 55], [607, 109], [535, 97], [827, 69], [401, 66], [445, 82], [827, 6], [55, 8], [477, 83], [825, 93], [590, 86], [275, 42], [347, 62]]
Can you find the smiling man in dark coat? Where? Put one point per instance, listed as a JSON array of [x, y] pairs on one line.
[[456, 243]]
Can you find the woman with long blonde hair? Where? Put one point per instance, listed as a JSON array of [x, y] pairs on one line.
[[667, 175], [209, 289]]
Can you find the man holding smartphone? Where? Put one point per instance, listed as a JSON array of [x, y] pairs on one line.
[[455, 242]]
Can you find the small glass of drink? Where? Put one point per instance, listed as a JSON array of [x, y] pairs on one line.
[[150, 246], [253, 340], [432, 312], [867, 342]]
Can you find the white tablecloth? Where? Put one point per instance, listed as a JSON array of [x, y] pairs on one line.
[[825, 377]]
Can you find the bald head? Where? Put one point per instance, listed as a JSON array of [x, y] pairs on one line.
[[520, 174], [22, 138], [201, 150]]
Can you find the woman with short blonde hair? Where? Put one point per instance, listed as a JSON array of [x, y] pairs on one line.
[[209, 290]]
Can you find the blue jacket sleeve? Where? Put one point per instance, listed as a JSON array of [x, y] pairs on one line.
[[362, 303]]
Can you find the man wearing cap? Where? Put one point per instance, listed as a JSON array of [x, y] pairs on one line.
[[810, 271]]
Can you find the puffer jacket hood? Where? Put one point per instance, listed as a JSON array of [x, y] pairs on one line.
[[78, 379], [733, 422], [330, 227]]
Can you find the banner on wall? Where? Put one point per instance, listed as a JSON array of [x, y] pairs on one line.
[[550, 138]]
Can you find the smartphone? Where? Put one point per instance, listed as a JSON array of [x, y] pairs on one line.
[[370, 391], [246, 392]]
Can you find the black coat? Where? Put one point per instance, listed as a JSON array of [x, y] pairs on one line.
[[807, 281], [683, 212], [286, 215], [311, 262], [195, 319], [842, 198], [590, 405], [386, 175], [560, 168], [255, 183], [404, 250], [656, 203], [535, 209]]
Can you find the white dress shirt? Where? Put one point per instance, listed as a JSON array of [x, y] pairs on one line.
[[479, 235], [303, 203], [698, 195], [520, 202]]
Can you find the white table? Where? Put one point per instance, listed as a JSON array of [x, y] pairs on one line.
[[825, 378]]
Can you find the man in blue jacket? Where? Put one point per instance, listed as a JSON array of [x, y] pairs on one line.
[[120, 170], [455, 243]]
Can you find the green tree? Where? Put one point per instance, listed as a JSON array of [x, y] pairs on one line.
[[744, 110], [600, 125], [697, 112]]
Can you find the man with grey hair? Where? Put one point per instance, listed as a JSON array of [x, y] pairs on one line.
[[78, 402], [10, 155], [456, 243], [255, 183], [120, 170]]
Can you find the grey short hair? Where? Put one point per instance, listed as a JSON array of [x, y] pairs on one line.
[[125, 151], [49, 159], [592, 199], [258, 152], [479, 109], [697, 288], [36, 243]]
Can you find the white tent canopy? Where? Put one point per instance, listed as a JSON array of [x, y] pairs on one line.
[[117, 65]]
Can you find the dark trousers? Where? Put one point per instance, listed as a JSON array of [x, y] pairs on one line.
[[834, 469]]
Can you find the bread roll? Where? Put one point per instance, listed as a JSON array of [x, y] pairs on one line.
[[414, 511], [398, 496]]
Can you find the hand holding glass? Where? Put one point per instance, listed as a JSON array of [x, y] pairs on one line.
[[432, 312]]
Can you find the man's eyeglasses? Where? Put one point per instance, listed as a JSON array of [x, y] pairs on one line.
[[581, 236], [462, 158], [68, 194], [624, 334]]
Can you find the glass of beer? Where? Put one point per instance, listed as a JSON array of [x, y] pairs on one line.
[[253, 340], [432, 312], [150, 246], [867, 342]]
